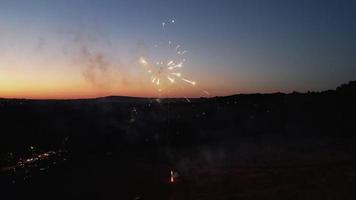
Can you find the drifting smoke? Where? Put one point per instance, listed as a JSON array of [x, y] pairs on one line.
[[98, 69], [101, 63], [97, 60]]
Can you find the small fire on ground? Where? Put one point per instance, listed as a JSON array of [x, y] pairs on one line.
[[174, 176]]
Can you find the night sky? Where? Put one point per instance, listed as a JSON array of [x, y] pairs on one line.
[[82, 48]]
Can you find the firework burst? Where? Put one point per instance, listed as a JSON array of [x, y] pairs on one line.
[[165, 65]]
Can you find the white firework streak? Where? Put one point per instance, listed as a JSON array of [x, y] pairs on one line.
[[172, 80], [177, 74], [172, 66], [189, 81], [206, 92], [143, 61], [170, 63]]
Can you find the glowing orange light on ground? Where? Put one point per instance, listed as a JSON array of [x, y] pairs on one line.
[[172, 177]]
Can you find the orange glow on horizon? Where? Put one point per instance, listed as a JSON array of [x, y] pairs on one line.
[[49, 85], [65, 80]]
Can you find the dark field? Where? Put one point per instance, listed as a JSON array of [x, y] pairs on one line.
[[271, 146]]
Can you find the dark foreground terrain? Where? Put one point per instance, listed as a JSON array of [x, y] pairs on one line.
[[258, 146]]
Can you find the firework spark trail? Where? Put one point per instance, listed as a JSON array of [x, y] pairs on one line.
[[189, 81], [182, 52], [143, 61], [206, 92], [177, 74], [172, 80], [188, 100]]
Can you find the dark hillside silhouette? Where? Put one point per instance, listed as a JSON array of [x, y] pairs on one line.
[[139, 140]]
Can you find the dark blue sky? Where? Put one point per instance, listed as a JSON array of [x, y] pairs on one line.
[[234, 46]]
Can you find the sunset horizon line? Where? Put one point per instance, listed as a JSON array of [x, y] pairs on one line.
[[89, 97]]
